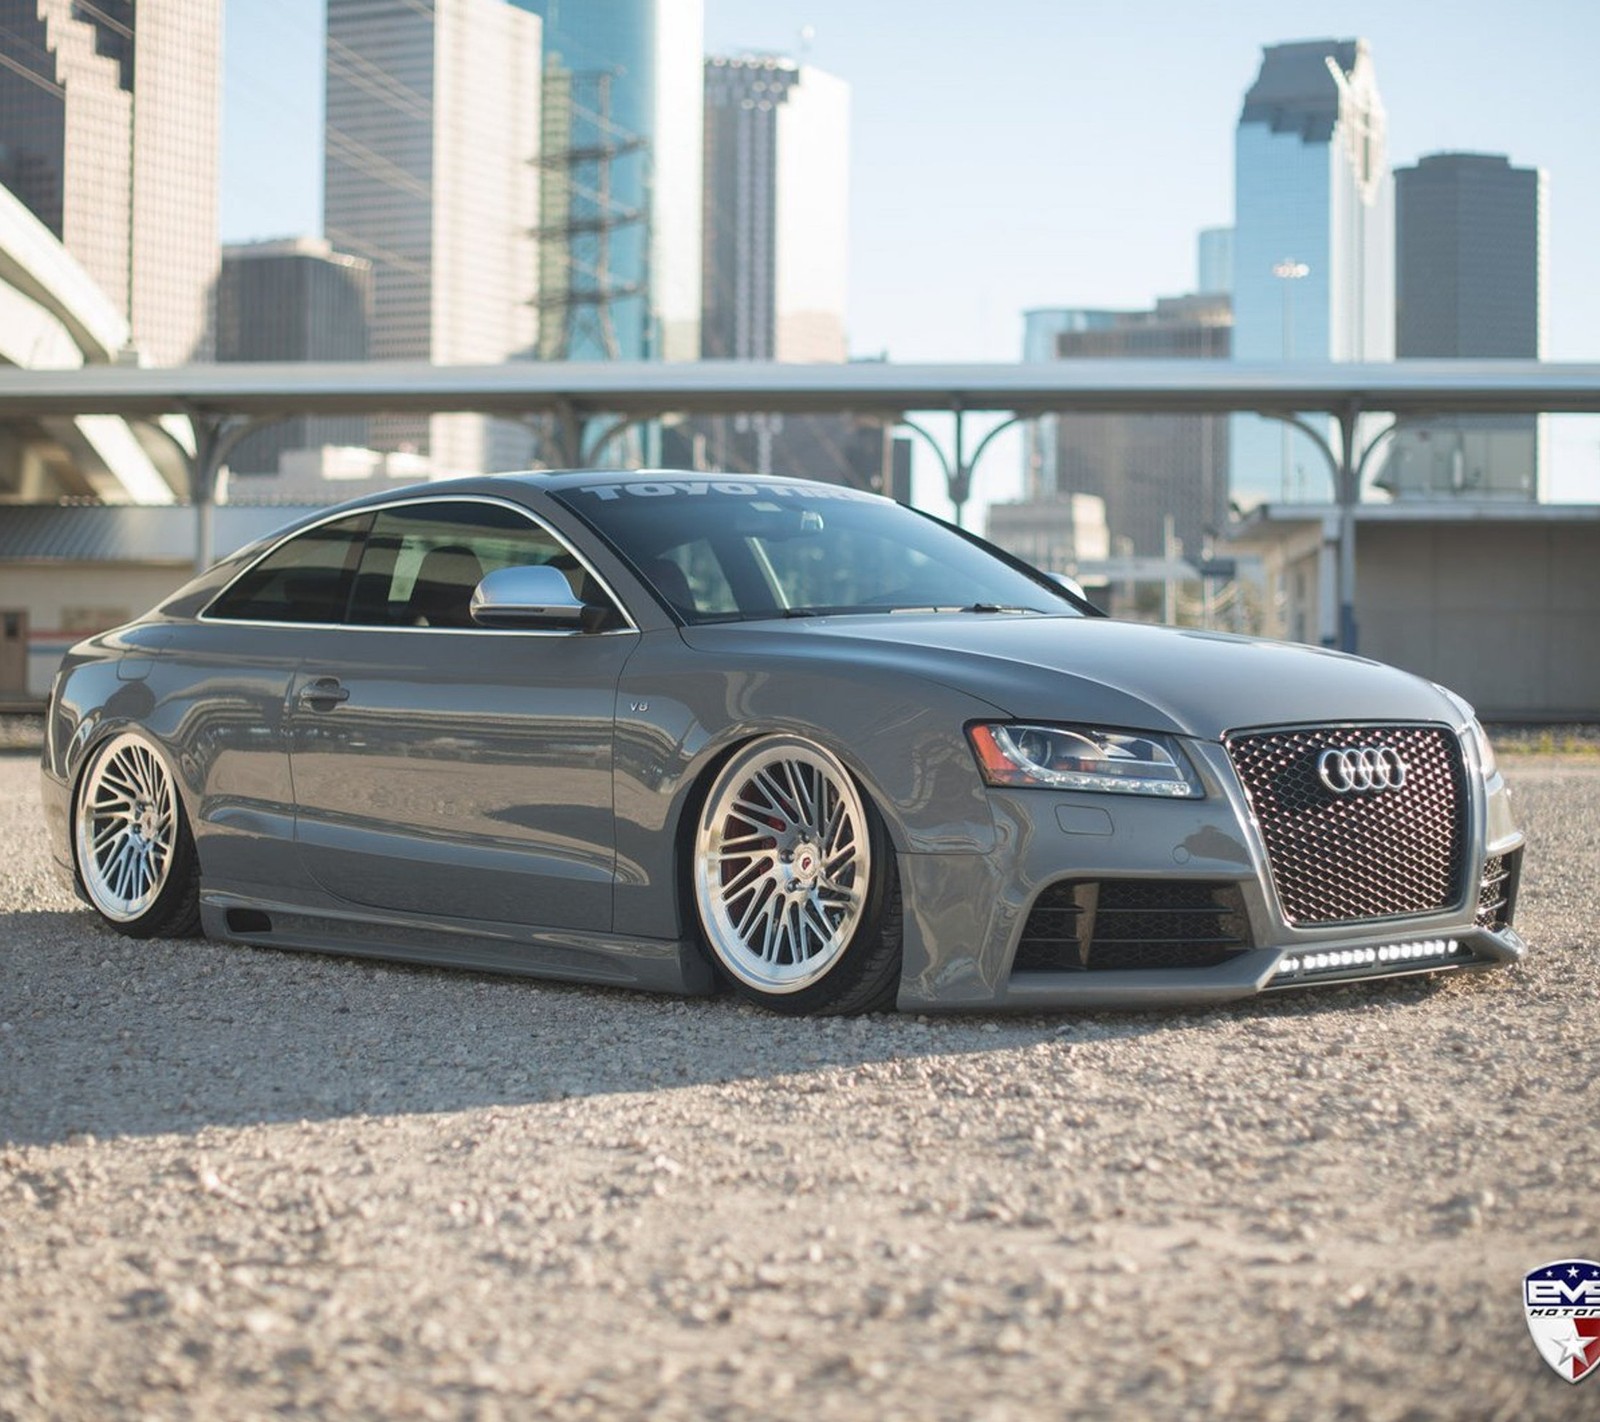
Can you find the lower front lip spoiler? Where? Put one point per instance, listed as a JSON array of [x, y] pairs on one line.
[[1314, 964], [1260, 970]]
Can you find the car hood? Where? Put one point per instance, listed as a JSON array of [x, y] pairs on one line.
[[1102, 671]]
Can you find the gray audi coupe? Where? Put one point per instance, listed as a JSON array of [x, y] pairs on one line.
[[671, 730]]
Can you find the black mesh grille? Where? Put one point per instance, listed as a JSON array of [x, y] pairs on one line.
[[1339, 858], [1497, 890], [1131, 923], [1050, 939]]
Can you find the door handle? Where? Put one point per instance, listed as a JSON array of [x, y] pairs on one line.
[[324, 691]]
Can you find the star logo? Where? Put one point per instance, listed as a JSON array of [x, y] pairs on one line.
[[1562, 1303]]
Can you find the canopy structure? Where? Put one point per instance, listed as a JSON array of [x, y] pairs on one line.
[[225, 402], [643, 390]]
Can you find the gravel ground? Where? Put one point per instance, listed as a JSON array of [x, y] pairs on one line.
[[236, 1182]]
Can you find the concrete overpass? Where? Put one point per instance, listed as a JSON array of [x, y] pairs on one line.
[[590, 403], [54, 319]]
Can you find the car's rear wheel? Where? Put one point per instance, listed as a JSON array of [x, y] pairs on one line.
[[135, 855], [795, 884]]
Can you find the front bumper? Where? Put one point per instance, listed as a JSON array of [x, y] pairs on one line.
[[966, 914]]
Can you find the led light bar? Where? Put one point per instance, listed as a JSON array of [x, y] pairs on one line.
[[1390, 955]]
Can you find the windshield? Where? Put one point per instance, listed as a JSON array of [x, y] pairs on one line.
[[720, 550]]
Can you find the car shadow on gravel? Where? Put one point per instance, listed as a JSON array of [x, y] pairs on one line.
[[105, 1036]]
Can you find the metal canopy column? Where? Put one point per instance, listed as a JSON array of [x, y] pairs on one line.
[[958, 472], [1347, 470], [215, 437]]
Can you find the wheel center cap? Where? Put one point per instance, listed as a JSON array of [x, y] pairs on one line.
[[805, 864]]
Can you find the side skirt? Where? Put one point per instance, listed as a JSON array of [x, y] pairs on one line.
[[653, 964]]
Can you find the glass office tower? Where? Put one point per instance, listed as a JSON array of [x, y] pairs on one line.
[[1148, 468], [1313, 246], [776, 225], [620, 173]]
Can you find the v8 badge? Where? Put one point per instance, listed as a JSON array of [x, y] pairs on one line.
[[1562, 1301]]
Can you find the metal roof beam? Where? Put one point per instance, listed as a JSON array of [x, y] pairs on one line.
[[875, 389]]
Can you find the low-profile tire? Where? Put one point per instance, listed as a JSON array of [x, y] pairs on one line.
[[135, 856], [794, 882]]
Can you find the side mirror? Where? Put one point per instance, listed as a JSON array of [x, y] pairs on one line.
[[1070, 583], [527, 597]]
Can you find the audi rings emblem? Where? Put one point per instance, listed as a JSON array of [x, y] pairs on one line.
[[1354, 769]]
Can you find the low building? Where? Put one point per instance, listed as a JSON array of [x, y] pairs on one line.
[[67, 572], [1494, 600]]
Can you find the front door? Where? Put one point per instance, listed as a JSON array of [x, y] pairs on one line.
[[449, 770]]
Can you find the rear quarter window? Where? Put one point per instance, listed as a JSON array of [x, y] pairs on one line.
[[306, 579]]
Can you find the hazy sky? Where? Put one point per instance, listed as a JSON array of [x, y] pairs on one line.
[[1026, 153]]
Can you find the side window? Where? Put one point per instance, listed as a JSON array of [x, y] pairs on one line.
[[306, 579], [422, 562]]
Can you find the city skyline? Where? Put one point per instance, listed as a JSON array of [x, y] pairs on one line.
[[968, 210]]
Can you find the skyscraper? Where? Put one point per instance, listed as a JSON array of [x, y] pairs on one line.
[[1313, 271], [431, 144], [293, 300], [775, 239], [1042, 328], [109, 118], [1149, 467], [620, 162], [1469, 282], [776, 216], [1214, 259]]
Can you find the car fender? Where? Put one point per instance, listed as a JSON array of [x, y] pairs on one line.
[[679, 716]]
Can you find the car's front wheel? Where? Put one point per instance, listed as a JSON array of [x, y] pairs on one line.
[[795, 884], [135, 855]]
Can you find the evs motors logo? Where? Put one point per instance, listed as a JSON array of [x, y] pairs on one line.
[[1562, 1301]]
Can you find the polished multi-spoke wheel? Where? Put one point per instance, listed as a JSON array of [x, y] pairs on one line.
[[790, 871], [134, 854]]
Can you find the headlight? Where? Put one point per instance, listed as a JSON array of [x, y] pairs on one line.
[[1472, 728], [1486, 755], [1079, 758]]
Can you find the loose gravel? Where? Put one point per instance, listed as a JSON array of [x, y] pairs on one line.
[[236, 1182]]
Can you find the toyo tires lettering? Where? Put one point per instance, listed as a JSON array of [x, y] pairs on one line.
[[666, 489]]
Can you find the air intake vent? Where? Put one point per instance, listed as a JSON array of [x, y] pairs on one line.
[[1497, 890], [251, 921], [1132, 924]]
